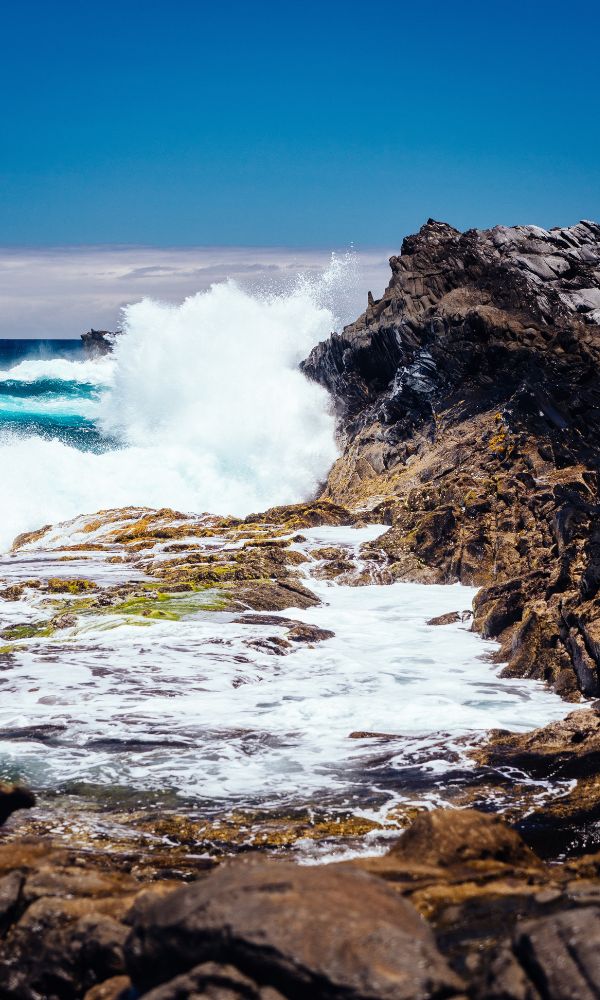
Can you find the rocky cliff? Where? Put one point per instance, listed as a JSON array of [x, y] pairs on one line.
[[469, 415]]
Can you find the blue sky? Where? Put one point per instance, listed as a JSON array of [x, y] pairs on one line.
[[298, 124]]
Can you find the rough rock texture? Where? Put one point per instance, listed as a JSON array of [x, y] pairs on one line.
[[98, 342], [567, 751], [459, 906], [306, 932], [469, 415]]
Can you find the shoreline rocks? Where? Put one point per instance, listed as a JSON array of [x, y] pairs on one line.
[[459, 906], [468, 400]]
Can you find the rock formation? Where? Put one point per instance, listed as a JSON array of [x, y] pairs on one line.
[[469, 413], [459, 906], [98, 342], [13, 797]]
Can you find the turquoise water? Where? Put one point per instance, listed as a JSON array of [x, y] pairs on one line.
[[33, 402]]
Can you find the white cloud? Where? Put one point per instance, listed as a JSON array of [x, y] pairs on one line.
[[61, 292]]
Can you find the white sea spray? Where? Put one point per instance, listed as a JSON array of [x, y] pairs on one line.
[[205, 401]]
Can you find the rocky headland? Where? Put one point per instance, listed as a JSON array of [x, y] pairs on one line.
[[469, 410], [468, 406]]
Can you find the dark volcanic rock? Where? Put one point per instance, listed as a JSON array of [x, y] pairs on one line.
[[469, 408], [306, 932], [98, 342]]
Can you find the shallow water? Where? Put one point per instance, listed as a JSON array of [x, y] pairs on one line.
[[194, 707]]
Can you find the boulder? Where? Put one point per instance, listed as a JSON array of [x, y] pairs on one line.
[[458, 837], [561, 954], [213, 982], [310, 932]]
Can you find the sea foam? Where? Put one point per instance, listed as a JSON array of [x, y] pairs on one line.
[[207, 405]]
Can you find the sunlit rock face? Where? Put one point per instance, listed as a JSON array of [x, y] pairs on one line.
[[469, 405]]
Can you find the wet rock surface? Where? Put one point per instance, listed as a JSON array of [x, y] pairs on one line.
[[304, 931], [459, 906], [567, 751], [469, 415]]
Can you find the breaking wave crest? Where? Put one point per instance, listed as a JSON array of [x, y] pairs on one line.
[[203, 406]]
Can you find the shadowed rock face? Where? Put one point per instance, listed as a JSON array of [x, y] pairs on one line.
[[13, 797], [469, 410]]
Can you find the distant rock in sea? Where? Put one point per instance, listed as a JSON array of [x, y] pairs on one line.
[[99, 342]]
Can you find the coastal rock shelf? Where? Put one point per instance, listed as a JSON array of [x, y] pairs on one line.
[[252, 680], [458, 906], [372, 684]]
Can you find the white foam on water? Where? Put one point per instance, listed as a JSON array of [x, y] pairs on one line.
[[230, 723], [206, 401], [92, 372]]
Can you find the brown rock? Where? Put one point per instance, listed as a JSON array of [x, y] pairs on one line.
[[562, 751], [450, 618], [10, 893], [569, 748], [273, 595], [560, 954], [115, 988], [469, 400], [309, 633], [213, 982], [304, 931], [449, 837]]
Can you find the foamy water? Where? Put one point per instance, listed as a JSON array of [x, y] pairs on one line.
[[192, 706], [202, 407]]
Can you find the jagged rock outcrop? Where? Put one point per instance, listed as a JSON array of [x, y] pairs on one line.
[[99, 342], [469, 412]]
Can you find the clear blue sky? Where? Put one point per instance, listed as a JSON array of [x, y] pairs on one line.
[[294, 123]]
